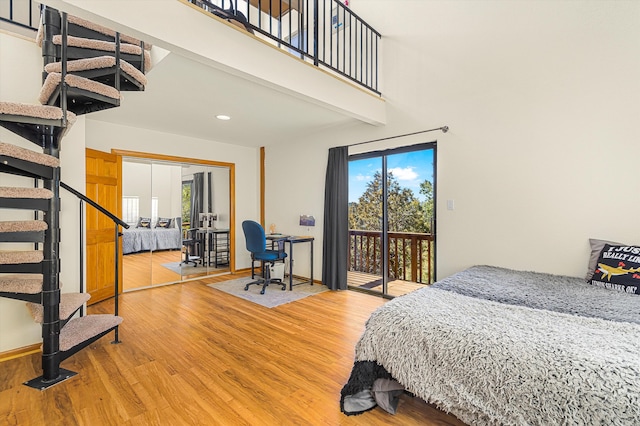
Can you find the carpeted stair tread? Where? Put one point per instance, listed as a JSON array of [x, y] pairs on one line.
[[17, 257], [97, 63], [94, 27], [47, 112], [19, 192], [14, 151], [23, 225], [104, 30], [104, 46], [81, 329], [21, 283], [69, 304], [52, 82]]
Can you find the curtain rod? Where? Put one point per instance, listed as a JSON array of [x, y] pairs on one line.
[[444, 129]]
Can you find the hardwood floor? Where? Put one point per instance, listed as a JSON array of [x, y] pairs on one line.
[[193, 355]]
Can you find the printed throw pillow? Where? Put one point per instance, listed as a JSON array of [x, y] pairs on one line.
[[618, 268], [596, 249], [163, 222], [144, 222]]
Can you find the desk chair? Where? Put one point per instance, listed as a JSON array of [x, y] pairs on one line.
[[191, 243], [257, 245]]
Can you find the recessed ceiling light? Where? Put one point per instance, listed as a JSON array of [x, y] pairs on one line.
[[223, 117]]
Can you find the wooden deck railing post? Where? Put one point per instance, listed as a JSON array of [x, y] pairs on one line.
[[415, 255]]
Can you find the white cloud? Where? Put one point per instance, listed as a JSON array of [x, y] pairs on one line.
[[362, 178], [406, 173]]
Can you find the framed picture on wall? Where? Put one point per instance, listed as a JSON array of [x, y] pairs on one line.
[[307, 220]]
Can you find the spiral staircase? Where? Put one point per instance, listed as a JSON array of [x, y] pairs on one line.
[[86, 66]]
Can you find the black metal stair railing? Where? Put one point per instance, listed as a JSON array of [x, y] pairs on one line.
[[117, 222], [325, 32], [23, 13]]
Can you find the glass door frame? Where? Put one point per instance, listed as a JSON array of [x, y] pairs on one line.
[[384, 241]]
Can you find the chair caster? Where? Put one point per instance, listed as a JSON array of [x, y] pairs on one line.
[[246, 288], [284, 287], [262, 291]]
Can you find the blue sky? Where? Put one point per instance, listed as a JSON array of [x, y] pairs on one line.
[[410, 169]]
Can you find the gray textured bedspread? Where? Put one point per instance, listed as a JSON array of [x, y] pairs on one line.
[[508, 362], [557, 293], [144, 239]]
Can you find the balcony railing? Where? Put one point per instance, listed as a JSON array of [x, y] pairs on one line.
[[22, 13], [324, 32], [410, 255]]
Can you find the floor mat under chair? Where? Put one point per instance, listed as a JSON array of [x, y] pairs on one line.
[[273, 295]]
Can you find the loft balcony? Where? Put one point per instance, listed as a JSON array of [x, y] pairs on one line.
[[323, 32]]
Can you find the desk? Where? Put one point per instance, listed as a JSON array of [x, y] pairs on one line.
[[292, 239]]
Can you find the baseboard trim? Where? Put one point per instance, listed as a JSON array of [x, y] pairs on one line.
[[20, 352]]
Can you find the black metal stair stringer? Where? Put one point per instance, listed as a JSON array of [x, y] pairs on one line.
[[21, 167]]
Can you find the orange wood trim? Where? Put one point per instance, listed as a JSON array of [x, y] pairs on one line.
[[232, 216], [162, 157], [119, 214], [262, 181], [20, 352]]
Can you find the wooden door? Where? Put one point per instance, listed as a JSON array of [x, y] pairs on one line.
[[103, 176]]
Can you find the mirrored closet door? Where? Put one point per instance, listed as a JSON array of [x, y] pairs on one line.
[[179, 217]]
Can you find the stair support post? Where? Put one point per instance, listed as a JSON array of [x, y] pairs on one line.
[[116, 280], [51, 277]]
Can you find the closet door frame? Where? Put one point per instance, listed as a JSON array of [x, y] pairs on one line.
[[196, 161]]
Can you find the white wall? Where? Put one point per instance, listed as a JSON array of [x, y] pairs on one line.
[[543, 100], [106, 136], [20, 81], [145, 181]]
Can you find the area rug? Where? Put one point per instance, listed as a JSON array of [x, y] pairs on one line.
[[190, 269], [273, 295]]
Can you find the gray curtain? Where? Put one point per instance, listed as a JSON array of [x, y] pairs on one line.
[[197, 195], [335, 249], [210, 196]]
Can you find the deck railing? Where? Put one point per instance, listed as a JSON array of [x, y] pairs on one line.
[[410, 255], [324, 32]]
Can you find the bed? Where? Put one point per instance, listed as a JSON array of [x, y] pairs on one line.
[[144, 239], [496, 346]]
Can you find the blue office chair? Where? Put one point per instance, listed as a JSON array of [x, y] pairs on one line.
[[257, 244]]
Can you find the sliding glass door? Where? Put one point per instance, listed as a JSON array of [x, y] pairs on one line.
[[366, 209], [392, 219]]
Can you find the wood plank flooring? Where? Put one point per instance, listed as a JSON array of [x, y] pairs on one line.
[[193, 355]]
